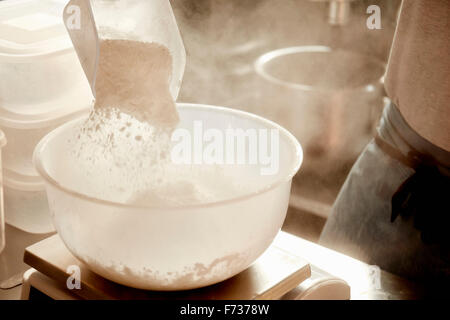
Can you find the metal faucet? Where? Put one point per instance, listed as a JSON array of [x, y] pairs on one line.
[[339, 11]]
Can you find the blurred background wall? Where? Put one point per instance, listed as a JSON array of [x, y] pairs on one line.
[[223, 38]]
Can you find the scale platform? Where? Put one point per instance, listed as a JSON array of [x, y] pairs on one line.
[[278, 274]]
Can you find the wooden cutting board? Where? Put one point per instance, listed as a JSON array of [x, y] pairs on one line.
[[274, 274]]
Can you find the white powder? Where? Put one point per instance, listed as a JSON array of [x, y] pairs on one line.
[[135, 77], [123, 149]]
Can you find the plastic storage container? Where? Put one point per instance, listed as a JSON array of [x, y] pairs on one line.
[[40, 73], [2, 213], [42, 85], [330, 99]]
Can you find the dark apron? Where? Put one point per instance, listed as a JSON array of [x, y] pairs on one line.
[[393, 211]]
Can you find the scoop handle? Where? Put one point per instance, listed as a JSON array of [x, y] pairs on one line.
[[80, 24]]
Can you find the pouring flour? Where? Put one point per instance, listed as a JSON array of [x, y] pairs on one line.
[[135, 71], [134, 78]]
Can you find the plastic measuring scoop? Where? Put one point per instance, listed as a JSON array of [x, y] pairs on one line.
[[80, 24], [88, 22]]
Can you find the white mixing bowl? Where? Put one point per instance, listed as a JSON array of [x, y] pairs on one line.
[[168, 247]]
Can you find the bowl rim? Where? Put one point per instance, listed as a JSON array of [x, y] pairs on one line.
[[296, 164], [262, 60]]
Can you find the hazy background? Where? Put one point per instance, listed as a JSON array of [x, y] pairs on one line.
[[223, 38]]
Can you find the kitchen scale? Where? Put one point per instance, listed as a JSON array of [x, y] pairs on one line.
[[280, 273]]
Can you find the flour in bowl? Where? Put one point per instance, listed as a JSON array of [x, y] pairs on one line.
[[123, 149]]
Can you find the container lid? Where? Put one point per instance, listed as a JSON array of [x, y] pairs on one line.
[[32, 27], [22, 182], [143, 21]]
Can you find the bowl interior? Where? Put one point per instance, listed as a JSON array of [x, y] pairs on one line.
[[278, 158]]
